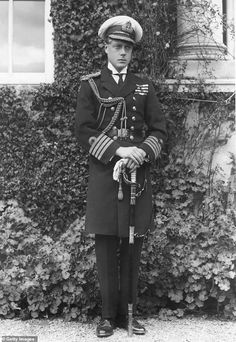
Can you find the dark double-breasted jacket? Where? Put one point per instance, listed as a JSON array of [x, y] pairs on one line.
[[101, 128]]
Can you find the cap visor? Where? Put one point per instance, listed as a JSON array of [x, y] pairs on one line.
[[121, 37]]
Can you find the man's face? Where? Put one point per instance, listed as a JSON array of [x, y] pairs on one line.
[[119, 53]]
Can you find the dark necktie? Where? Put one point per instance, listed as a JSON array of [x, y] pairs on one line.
[[120, 82]]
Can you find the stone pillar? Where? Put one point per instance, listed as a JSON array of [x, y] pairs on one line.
[[231, 200], [200, 30], [230, 17]]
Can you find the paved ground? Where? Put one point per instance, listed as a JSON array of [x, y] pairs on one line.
[[176, 330]]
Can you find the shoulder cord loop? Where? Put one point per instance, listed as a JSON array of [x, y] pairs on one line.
[[119, 101]]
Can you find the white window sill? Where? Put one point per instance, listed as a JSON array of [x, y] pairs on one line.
[[25, 78]]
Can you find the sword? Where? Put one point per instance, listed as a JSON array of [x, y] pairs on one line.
[[118, 174], [133, 186]]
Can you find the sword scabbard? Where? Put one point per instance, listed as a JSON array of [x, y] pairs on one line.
[[130, 319]]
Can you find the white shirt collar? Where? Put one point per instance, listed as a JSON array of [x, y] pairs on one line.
[[114, 71]]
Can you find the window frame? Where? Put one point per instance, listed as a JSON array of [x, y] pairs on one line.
[[47, 76]]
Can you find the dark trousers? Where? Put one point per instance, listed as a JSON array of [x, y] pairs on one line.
[[112, 255]]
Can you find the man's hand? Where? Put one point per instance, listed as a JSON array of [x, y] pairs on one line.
[[134, 155], [131, 165]]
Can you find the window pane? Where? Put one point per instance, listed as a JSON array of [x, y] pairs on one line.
[[28, 36], [3, 36]]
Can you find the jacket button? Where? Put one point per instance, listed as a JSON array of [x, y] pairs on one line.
[[132, 128], [133, 118], [134, 108], [131, 137], [134, 98], [115, 137], [113, 108]]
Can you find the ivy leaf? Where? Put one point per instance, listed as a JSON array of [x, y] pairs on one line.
[[175, 295], [65, 274], [177, 194], [224, 284]]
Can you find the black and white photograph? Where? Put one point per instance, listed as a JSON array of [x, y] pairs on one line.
[[117, 171]]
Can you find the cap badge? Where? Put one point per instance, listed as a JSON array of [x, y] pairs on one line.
[[127, 27]]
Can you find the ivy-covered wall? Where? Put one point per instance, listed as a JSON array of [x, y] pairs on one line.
[[47, 264], [78, 50]]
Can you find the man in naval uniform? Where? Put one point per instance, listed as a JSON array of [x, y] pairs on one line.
[[118, 117]]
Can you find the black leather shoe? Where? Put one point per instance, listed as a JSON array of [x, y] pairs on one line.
[[138, 329], [105, 328]]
